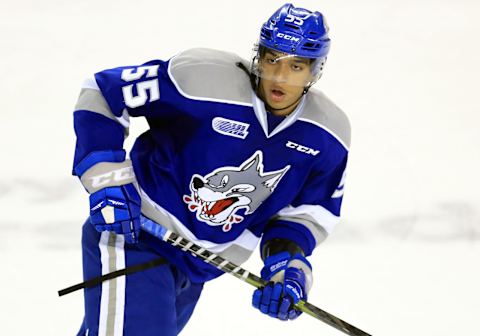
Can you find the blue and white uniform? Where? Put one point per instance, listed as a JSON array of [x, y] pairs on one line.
[[213, 167]]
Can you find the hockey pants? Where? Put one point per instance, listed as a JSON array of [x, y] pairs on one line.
[[156, 301]]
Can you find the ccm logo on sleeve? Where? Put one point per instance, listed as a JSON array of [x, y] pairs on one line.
[[303, 149]]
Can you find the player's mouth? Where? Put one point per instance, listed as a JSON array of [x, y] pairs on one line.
[[277, 95]]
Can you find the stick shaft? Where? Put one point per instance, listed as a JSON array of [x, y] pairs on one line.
[[109, 276], [228, 267]]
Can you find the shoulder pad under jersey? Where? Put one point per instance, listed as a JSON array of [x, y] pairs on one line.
[[321, 111], [212, 75]]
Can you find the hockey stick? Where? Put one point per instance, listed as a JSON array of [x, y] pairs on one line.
[[226, 266], [112, 275]]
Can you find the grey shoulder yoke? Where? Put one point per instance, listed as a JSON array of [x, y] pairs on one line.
[[321, 111], [212, 75]]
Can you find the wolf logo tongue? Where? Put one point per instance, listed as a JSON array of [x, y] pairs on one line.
[[217, 197], [221, 205]]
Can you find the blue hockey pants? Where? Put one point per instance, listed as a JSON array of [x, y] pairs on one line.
[[156, 301]]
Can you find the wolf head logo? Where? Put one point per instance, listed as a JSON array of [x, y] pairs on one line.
[[217, 197]]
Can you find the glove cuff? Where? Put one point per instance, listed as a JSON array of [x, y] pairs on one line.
[[276, 264], [108, 174], [300, 262], [96, 157]]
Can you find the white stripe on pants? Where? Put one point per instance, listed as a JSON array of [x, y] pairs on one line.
[[112, 302]]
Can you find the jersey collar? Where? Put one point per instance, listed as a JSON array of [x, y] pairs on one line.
[[261, 113]]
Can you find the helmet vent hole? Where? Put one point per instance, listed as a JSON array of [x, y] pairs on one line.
[[267, 34], [311, 46], [291, 26]]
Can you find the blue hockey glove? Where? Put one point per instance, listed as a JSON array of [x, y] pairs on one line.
[[117, 209], [290, 280], [114, 201]]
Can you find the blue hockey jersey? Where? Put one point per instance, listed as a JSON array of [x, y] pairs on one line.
[[209, 167]]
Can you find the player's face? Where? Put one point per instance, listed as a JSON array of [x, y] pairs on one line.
[[283, 79]]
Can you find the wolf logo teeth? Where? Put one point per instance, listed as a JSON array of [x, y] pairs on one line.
[[217, 197]]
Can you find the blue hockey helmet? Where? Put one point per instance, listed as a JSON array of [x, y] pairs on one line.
[[295, 30]]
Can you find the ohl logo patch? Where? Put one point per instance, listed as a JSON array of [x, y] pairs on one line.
[[231, 128], [217, 197]]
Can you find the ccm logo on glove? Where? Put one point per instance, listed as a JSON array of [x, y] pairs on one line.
[[118, 175], [278, 265]]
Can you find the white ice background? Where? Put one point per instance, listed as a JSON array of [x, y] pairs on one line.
[[404, 261]]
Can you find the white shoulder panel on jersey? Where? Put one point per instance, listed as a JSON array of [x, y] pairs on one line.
[[211, 75], [322, 112]]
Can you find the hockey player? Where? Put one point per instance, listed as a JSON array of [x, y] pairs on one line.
[[236, 154]]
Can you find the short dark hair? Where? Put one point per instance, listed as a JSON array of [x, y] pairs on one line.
[[263, 50]]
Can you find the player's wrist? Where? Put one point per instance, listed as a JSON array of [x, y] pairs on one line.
[[278, 245]]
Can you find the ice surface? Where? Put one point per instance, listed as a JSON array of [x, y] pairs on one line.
[[405, 260]]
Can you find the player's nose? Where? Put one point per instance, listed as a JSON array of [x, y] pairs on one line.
[[197, 183], [281, 72]]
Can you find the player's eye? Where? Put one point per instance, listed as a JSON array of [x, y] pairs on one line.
[[297, 67], [271, 60]]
